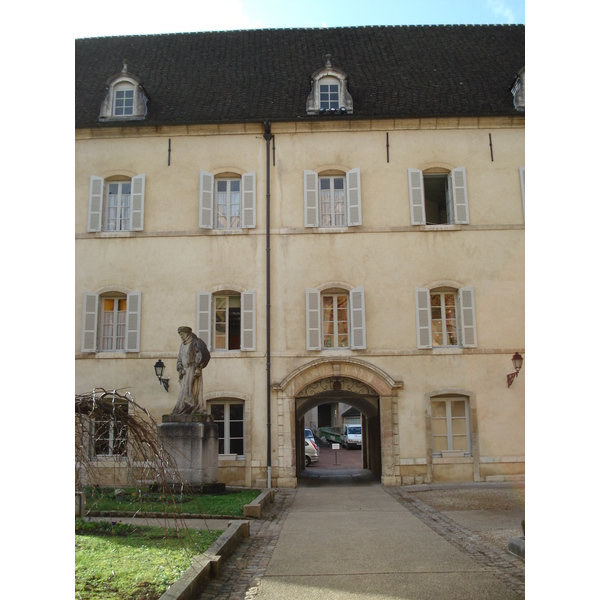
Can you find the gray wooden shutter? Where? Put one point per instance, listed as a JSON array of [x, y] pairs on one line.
[[522, 177], [467, 313], [249, 200], [311, 199], [460, 199], [354, 197], [95, 202], [423, 308], [207, 184], [358, 335], [416, 191], [204, 317], [138, 190], [248, 324], [132, 328], [89, 322], [313, 319]]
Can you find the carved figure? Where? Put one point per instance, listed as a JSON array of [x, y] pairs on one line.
[[193, 357]]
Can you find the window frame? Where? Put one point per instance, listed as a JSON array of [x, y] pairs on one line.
[[112, 439], [207, 213], [457, 195], [91, 321], [227, 437], [465, 314], [124, 82], [228, 206], [206, 322], [98, 203], [315, 331], [313, 197], [450, 419]]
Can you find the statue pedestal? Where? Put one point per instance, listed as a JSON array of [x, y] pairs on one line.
[[193, 443]]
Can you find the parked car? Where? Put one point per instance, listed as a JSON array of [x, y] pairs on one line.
[[352, 436], [309, 435], [311, 452]]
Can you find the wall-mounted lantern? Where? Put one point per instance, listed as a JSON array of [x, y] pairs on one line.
[[159, 367], [517, 361]]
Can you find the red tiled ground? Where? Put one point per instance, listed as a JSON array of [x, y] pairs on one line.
[[349, 459]]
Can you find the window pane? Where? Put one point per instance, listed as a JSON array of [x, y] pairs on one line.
[[458, 408], [236, 429], [217, 411], [459, 427], [438, 409], [438, 426], [440, 444], [236, 447], [236, 412], [459, 443]]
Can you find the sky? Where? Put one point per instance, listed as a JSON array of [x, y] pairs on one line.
[[219, 15]]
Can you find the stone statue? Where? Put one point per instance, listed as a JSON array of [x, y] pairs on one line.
[[193, 357]]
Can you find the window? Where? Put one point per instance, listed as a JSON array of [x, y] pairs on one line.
[[123, 104], [110, 434], [335, 318], [227, 320], [438, 197], [116, 204], [329, 92], [332, 200], [229, 417], [125, 99], [445, 317], [227, 203], [450, 426], [111, 322]]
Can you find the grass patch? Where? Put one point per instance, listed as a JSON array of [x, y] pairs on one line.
[[130, 499], [127, 562]]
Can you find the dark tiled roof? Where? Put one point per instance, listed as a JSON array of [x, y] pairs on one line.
[[257, 75]]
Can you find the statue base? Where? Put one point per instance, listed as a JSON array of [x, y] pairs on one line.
[[193, 443]]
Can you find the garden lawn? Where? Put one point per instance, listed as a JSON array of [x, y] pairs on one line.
[[129, 499], [127, 562]]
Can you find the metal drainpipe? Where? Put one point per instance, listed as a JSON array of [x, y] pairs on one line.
[[268, 137]]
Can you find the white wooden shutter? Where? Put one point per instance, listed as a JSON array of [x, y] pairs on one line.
[[89, 322], [354, 197], [138, 190], [311, 199], [460, 199], [467, 313], [423, 307], [204, 317], [358, 335], [522, 176], [249, 200], [416, 190], [132, 328], [313, 319], [207, 184], [248, 324], [95, 201]]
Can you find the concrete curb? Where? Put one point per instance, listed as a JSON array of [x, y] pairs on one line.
[[208, 565], [516, 546], [255, 507]]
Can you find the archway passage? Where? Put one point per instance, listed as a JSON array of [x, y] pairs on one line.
[[331, 396]]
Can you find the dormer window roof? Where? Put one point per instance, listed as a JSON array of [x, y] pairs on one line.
[[329, 93], [518, 91], [125, 98]]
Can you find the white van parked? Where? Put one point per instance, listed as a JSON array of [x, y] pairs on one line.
[[352, 436]]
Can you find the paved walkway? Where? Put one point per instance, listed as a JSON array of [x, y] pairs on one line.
[[350, 537]]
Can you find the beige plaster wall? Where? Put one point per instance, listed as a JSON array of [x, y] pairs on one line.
[[172, 259]]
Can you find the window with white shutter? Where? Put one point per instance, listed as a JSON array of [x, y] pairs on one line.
[[438, 196], [335, 319], [332, 200], [227, 202], [203, 317], [89, 326], [134, 308], [445, 317], [248, 325], [116, 204]]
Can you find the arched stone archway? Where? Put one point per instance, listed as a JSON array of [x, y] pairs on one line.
[[361, 384]]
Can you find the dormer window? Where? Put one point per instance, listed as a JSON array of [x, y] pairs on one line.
[[125, 98], [329, 93], [518, 91]]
